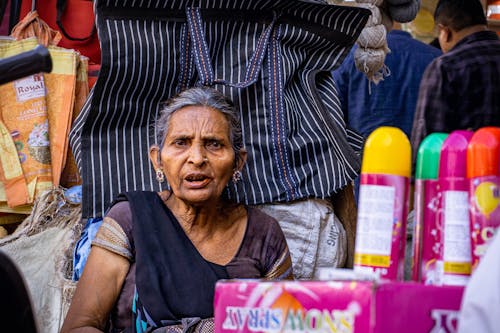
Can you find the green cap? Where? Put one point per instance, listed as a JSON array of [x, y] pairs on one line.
[[428, 156]]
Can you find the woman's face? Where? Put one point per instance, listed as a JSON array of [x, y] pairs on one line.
[[197, 157]]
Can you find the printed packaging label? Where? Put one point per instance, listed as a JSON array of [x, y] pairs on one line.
[[484, 194], [243, 306], [456, 234], [427, 237], [30, 87], [381, 226]]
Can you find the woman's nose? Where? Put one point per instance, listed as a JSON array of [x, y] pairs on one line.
[[197, 154]]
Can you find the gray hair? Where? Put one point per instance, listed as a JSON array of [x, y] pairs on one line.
[[207, 97]]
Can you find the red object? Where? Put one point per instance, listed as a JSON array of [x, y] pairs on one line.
[[5, 20], [77, 21], [493, 10], [483, 153]]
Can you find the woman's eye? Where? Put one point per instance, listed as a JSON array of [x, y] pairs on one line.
[[180, 142], [214, 144]]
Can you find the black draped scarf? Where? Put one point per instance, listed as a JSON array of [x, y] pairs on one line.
[[173, 280]]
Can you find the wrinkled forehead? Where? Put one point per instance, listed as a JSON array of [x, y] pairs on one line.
[[200, 120]]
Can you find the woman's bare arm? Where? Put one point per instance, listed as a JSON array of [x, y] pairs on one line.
[[96, 292]]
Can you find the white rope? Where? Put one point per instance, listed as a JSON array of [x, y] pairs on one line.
[[375, 17], [373, 37], [371, 63]]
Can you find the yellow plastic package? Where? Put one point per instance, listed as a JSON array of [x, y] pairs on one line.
[[25, 161]]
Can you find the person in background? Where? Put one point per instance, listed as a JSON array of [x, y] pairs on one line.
[[157, 256], [481, 300], [392, 101], [461, 88]]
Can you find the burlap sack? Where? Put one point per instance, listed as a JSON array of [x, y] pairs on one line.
[[42, 249], [346, 210]]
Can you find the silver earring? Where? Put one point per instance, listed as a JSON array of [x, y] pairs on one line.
[[236, 176], [160, 176]]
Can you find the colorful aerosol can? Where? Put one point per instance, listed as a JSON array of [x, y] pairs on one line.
[[427, 245], [483, 172], [383, 203], [455, 260]]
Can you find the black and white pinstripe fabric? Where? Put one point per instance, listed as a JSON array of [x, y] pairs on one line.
[[273, 58]]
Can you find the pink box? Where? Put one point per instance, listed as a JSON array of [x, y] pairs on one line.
[[335, 306]]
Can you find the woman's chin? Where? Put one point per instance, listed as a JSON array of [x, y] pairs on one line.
[[199, 197]]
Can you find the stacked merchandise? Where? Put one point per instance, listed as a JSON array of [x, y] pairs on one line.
[[456, 207], [457, 201], [461, 214], [36, 114]]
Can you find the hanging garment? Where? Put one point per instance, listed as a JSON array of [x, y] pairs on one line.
[[272, 58]]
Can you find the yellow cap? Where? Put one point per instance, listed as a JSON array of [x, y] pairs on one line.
[[387, 151]]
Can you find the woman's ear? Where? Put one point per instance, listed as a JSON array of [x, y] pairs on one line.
[[154, 156], [242, 159]]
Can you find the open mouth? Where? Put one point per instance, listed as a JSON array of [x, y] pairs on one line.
[[197, 180]]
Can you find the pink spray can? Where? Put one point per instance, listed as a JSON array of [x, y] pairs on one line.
[[383, 203], [427, 245], [455, 261], [484, 187]]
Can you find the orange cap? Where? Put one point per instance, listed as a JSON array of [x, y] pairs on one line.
[[483, 153]]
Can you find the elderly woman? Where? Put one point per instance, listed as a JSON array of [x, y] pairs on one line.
[[157, 256]]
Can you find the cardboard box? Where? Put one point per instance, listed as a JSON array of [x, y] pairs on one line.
[[335, 306]]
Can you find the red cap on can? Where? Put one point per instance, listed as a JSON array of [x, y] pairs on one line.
[[483, 153]]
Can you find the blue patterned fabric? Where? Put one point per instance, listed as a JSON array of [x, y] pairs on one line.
[[82, 247]]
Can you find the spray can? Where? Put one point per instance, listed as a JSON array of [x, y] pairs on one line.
[[426, 231], [484, 187], [383, 203], [454, 209]]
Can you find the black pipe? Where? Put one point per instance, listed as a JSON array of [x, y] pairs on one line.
[[24, 64]]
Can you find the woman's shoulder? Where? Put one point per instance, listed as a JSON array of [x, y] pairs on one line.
[[115, 232], [119, 210], [124, 202], [266, 241], [120, 214]]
